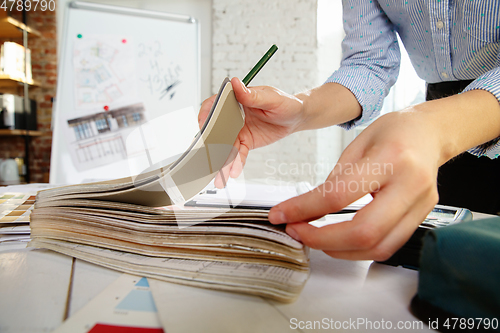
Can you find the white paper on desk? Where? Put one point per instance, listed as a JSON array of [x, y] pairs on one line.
[[332, 219], [343, 217], [260, 195], [248, 194], [191, 309], [26, 188], [19, 230], [127, 303], [14, 238]]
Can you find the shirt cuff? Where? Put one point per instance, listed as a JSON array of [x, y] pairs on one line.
[[490, 149], [368, 90], [489, 82]]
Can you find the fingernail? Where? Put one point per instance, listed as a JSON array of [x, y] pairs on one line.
[[244, 87], [292, 233], [276, 216]]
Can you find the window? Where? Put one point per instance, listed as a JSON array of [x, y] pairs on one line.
[[102, 125], [136, 116], [83, 131]]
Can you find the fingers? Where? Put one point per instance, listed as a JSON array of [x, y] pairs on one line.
[[340, 189], [205, 110], [265, 98], [396, 238], [223, 175], [239, 162], [378, 230], [369, 226]]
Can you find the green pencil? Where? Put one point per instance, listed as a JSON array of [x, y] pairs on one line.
[[259, 65]]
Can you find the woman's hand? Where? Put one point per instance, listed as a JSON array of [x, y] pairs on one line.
[[270, 115], [396, 159]]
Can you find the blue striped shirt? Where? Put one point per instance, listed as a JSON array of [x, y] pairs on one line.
[[446, 40]]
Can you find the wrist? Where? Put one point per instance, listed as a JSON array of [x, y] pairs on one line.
[[440, 146], [462, 121], [327, 105], [303, 99]]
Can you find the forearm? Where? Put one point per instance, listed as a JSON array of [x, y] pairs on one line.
[[462, 121], [327, 105]]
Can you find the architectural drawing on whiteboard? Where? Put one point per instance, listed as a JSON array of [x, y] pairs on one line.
[[99, 138], [105, 72]]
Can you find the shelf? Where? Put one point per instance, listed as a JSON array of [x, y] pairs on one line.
[[7, 81], [12, 183], [12, 28], [20, 132]]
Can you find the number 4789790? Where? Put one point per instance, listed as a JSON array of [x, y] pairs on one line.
[[28, 5]]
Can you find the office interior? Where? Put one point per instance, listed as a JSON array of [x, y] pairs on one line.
[[299, 64], [232, 36]]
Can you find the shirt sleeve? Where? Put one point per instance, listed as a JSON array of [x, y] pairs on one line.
[[490, 81], [370, 57]]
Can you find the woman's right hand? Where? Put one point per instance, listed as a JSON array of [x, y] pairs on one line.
[[270, 115]]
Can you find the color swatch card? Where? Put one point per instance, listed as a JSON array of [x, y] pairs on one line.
[[15, 210]]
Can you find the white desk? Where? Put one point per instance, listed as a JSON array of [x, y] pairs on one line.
[[39, 288], [35, 287]]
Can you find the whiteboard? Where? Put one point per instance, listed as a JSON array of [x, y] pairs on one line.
[[120, 68]]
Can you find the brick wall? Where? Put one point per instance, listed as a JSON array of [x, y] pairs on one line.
[[242, 32], [44, 67]]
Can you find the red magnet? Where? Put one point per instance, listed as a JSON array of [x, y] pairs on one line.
[[106, 108], [124, 41]]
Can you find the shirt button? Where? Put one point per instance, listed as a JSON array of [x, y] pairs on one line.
[[443, 74], [439, 24]]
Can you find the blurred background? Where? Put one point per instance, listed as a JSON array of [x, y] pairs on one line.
[[233, 35]]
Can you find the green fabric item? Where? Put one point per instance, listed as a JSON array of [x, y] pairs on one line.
[[460, 269]]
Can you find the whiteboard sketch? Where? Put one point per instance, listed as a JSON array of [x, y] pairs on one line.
[[159, 73], [104, 71], [99, 138], [112, 58]]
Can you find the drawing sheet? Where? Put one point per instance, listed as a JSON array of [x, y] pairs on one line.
[[126, 305], [105, 71]]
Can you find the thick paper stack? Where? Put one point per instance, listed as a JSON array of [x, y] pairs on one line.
[[115, 224], [238, 250]]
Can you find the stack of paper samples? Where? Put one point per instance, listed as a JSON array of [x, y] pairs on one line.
[[118, 224], [238, 250]]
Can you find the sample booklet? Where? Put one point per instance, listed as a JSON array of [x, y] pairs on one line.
[[163, 184], [115, 224]]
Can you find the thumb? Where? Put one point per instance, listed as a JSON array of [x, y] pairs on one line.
[[310, 206], [262, 97], [205, 110]]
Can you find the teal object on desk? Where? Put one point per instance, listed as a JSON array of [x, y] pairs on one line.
[[459, 272]]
